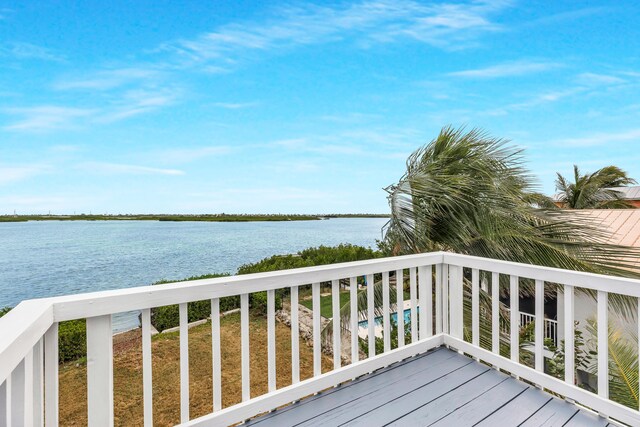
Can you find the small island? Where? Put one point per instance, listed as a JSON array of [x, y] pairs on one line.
[[183, 217]]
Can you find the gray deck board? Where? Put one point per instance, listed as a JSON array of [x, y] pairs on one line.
[[440, 388]]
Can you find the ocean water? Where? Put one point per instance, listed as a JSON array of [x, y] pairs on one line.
[[42, 259]]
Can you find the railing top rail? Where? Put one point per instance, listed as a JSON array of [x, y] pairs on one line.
[[20, 329], [598, 282], [108, 302]]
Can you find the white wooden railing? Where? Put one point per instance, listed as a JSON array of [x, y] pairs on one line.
[[29, 340]]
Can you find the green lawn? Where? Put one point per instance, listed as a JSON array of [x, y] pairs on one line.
[[325, 303]]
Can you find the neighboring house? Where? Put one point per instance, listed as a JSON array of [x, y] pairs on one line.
[[630, 194], [624, 225]]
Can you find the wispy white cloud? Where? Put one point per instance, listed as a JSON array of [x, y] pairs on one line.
[[601, 139], [46, 118], [186, 155], [594, 79], [126, 169], [21, 50], [445, 25], [10, 174], [108, 79], [136, 102], [235, 105], [507, 69]]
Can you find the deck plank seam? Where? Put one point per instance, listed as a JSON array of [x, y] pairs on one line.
[[345, 385]]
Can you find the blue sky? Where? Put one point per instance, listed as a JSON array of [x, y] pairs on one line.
[[265, 107]]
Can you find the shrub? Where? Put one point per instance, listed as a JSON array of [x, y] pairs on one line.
[[166, 317], [72, 340]]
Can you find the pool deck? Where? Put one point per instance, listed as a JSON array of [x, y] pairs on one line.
[[441, 388]]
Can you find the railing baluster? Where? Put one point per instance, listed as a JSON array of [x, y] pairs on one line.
[[603, 344], [569, 336], [539, 324], [353, 305], [414, 303], [386, 320], [475, 306], [147, 373], [495, 313], [514, 327], [184, 363], [28, 388], [371, 320], [295, 337], [445, 298], [271, 339], [456, 325], [38, 383], [400, 306], [216, 357], [100, 371], [638, 318], [51, 375], [317, 344], [244, 347], [335, 309], [438, 298], [5, 404], [16, 399], [426, 302]]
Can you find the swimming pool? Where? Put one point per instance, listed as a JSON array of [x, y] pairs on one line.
[[364, 324]]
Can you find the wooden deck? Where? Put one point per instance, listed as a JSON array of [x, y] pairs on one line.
[[441, 388]]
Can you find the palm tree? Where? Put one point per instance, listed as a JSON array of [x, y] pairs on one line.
[[597, 190], [467, 192]]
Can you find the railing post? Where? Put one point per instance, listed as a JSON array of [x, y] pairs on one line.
[[100, 371], [371, 318], [539, 325], [400, 306], [603, 344], [456, 301], [439, 298], [426, 301], [353, 305], [386, 318], [514, 324], [147, 374], [495, 313], [413, 286], [445, 298], [335, 310], [475, 306], [51, 375], [569, 336]]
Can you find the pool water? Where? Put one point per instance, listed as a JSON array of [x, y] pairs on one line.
[[394, 317]]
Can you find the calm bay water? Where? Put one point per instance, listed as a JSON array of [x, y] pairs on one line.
[[42, 259]]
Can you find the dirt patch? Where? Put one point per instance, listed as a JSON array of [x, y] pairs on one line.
[[165, 348]]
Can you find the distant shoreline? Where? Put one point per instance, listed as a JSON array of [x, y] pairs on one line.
[[183, 218]]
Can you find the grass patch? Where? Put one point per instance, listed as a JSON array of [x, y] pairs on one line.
[[325, 304], [165, 348]]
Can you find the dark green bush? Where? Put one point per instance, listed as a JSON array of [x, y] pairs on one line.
[[169, 316], [72, 340]]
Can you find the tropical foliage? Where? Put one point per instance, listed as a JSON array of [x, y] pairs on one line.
[[469, 193], [597, 190]]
